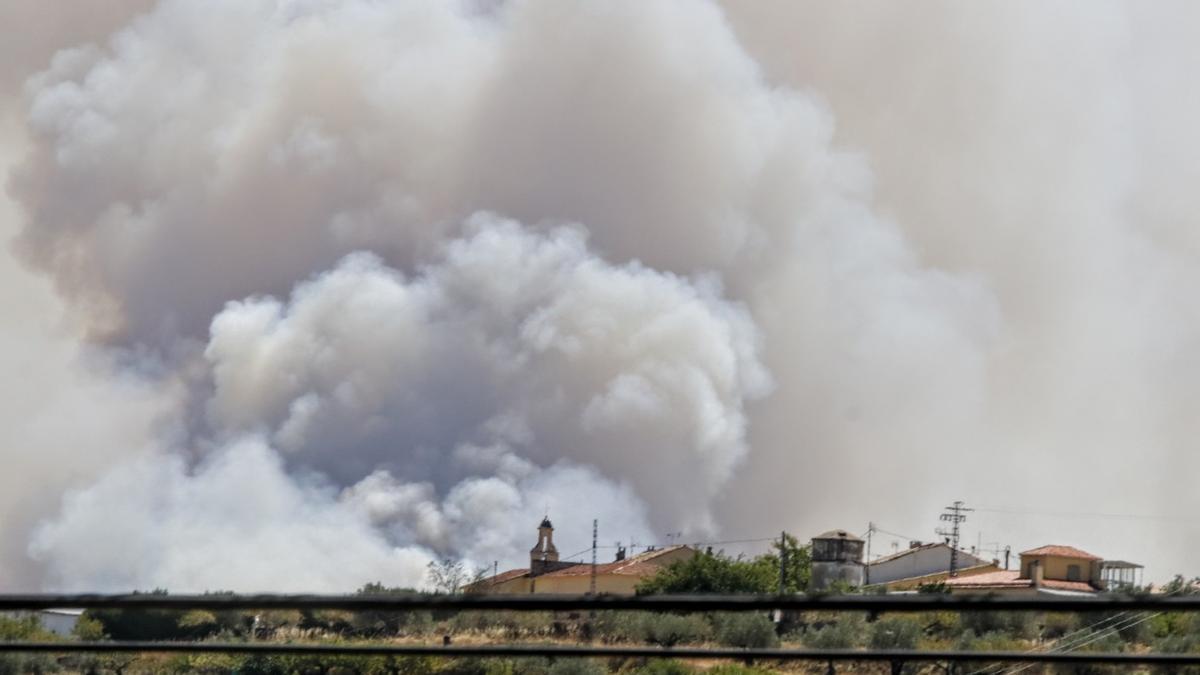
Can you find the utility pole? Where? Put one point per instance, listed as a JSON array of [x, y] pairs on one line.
[[867, 567], [595, 531], [954, 514], [782, 563]]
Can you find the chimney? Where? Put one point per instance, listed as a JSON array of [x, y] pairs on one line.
[[620, 553]]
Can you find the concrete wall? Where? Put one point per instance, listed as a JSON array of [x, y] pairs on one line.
[[825, 574], [920, 562], [616, 584]]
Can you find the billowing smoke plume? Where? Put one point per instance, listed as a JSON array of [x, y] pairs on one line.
[[382, 282], [451, 403]]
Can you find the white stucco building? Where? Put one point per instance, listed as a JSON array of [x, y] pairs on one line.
[[61, 622], [919, 560]]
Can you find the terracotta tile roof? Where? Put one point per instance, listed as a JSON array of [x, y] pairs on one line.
[[1011, 579], [974, 570], [623, 567], [1062, 551], [502, 577], [1068, 585], [640, 565], [998, 579]]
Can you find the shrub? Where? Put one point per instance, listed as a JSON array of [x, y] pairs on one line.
[[1177, 644], [643, 627], [736, 669], [1016, 624], [672, 629], [88, 629], [1130, 627], [895, 632], [1057, 624], [995, 641], [846, 633], [663, 667], [512, 624], [576, 667], [27, 628], [941, 625], [753, 631], [619, 626]]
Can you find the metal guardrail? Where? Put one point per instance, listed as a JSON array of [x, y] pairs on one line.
[[906, 603], [556, 651], [659, 603]]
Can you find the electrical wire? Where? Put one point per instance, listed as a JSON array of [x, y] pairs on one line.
[[1099, 636], [1067, 514], [1084, 632]]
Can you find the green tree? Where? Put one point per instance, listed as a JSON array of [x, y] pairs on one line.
[[797, 563], [451, 576], [710, 572], [88, 629]]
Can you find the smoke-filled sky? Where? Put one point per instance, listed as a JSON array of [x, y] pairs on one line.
[[303, 294]]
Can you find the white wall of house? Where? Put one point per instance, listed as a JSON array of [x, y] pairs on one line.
[[916, 562], [61, 622]]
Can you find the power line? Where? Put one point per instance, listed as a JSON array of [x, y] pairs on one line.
[[1066, 514], [895, 534], [1073, 639]]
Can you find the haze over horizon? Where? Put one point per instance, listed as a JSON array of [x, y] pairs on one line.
[[305, 293]]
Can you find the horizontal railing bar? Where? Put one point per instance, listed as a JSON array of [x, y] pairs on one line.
[[657, 603], [602, 652]]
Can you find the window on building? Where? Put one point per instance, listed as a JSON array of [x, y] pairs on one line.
[[1073, 573]]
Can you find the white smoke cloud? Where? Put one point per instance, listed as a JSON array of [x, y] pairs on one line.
[[267, 209], [479, 392], [296, 134], [518, 338], [236, 520]]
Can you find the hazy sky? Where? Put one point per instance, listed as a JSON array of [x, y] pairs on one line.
[[302, 294]]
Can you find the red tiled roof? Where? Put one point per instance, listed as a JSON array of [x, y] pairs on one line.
[[1068, 585], [623, 567], [998, 579], [640, 565], [502, 577], [1011, 579], [1061, 551]]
